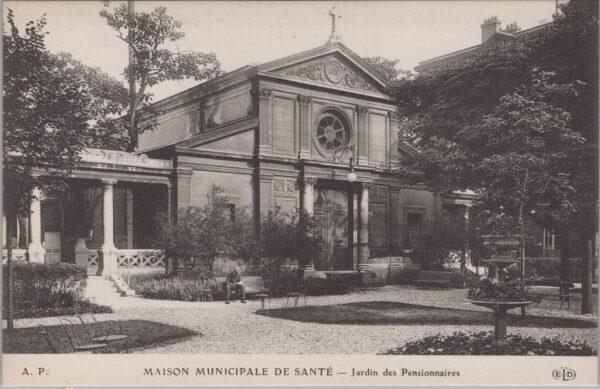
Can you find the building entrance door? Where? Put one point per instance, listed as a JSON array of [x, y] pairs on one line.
[[52, 246], [331, 210]]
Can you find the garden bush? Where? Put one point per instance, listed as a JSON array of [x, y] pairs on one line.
[[481, 343], [47, 286]]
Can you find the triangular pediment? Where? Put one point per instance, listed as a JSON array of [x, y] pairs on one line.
[[331, 65]]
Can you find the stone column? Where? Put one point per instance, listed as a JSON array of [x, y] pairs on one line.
[[363, 136], [108, 251], [305, 126], [308, 184], [307, 205], [363, 227], [129, 210], [35, 250], [308, 194], [264, 119]]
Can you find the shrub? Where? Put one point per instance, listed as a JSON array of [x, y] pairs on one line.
[[47, 286], [178, 288], [481, 343]]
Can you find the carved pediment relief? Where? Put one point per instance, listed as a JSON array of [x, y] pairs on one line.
[[330, 71]]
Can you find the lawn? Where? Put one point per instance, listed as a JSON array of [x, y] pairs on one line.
[[140, 334], [388, 312]]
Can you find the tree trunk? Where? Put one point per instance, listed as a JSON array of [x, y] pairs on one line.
[[11, 219], [586, 276], [564, 262]]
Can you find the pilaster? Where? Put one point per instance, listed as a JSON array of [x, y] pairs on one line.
[[394, 137], [184, 187], [363, 136], [304, 103], [263, 95]]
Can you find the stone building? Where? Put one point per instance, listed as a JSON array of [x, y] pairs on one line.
[[313, 131]]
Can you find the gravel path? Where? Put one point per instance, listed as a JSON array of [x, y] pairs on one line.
[[236, 328]]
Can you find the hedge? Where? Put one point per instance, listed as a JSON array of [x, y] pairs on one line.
[[44, 286]]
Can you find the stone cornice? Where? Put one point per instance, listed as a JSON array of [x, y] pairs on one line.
[[123, 158], [327, 87]]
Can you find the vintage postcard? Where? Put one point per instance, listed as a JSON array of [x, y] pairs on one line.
[[393, 193]]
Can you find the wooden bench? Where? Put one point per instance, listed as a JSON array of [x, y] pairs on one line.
[[435, 278], [253, 285]]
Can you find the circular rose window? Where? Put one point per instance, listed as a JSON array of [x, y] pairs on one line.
[[332, 133]]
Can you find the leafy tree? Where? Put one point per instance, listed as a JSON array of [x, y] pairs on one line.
[[200, 235], [54, 107], [570, 48], [146, 34], [517, 123], [387, 69]]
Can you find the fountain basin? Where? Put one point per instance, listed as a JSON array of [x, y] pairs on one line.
[[500, 308]]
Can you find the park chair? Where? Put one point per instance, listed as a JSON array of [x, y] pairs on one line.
[[48, 338], [79, 344], [565, 294], [108, 331]]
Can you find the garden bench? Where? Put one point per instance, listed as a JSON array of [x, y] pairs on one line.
[[435, 278], [253, 285]]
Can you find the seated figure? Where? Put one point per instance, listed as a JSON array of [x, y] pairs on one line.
[[234, 281]]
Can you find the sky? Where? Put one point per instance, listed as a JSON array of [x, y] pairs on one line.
[[246, 33]]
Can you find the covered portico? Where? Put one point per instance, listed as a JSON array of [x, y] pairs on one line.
[[105, 219]]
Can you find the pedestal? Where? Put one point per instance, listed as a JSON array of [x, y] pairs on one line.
[[81, 253], [36, 252], [500, 327]]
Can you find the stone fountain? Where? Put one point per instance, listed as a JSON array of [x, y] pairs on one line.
[[504, 254]]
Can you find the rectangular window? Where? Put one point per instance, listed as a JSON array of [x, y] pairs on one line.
[[414, 222], [231, 211], [551, 240]]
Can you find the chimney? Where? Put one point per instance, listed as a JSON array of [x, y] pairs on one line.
[[489, 27], [512, 28]]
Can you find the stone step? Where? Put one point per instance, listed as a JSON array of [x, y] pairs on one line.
[[101, 290]]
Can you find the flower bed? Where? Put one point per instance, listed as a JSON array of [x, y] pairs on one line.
[[488, 290], [481, 343], [179, 288]]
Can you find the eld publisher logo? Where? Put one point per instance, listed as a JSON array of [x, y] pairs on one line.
[[564, 373]]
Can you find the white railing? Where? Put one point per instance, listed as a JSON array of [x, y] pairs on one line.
[[141, 258], [17, 255], [93, 258], [132, 258]]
